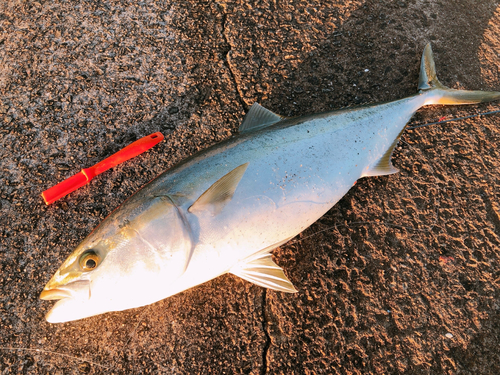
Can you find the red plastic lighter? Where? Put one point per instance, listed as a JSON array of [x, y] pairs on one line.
[[85, 175]]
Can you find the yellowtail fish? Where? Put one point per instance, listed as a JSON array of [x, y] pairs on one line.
[[226, 208]]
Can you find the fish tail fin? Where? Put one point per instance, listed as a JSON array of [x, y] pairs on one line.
[[439, 93]]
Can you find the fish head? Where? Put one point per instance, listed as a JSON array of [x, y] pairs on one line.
[[129, 260], [71, 284]]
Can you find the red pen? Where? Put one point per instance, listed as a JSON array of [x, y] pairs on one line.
[[85, 175]]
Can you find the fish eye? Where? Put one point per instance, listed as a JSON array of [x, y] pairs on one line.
[[89, 260]]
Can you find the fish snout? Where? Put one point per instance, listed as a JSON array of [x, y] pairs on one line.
[[54, 294], [60, 290]]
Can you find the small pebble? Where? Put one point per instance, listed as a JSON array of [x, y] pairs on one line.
[[449, 335]]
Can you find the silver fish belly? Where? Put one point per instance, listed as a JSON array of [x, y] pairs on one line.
[[226, 208]]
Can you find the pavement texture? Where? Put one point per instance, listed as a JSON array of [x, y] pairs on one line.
[[401, 276]]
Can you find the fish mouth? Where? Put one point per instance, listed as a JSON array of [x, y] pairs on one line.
[[54, 294], [72, 301], [76, 289]]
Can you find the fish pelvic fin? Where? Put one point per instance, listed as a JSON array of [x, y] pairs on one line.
[[437, 93], [262, 270]]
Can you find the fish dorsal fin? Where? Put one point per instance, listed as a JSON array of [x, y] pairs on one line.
[[258, 117], [384, 165], [428, 78], [220, 193], [261, 270]]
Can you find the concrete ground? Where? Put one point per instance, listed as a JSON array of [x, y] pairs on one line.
[[401, 276]]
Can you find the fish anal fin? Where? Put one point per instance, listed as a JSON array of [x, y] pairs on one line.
[[384, 165], [220, 193], [258, 117], [261, 270]]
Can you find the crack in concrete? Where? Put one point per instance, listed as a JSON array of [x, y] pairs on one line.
[[267, 344], [227, 58], [245, 106]]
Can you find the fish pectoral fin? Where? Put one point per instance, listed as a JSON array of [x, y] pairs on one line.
[[262, 270], [220, 193], [258, 117], [384, 165]]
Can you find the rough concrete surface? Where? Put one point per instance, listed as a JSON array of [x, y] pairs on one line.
[[401, 276]]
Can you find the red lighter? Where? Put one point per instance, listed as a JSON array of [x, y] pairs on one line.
[[85, 175]]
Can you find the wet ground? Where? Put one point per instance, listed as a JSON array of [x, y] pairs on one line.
[[401, 276]]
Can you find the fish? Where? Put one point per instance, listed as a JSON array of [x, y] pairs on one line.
[[224, 209]]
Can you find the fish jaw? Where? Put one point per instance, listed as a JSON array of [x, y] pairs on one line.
[[76, 301], [54, 294], [69, 309], [72, 300]]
